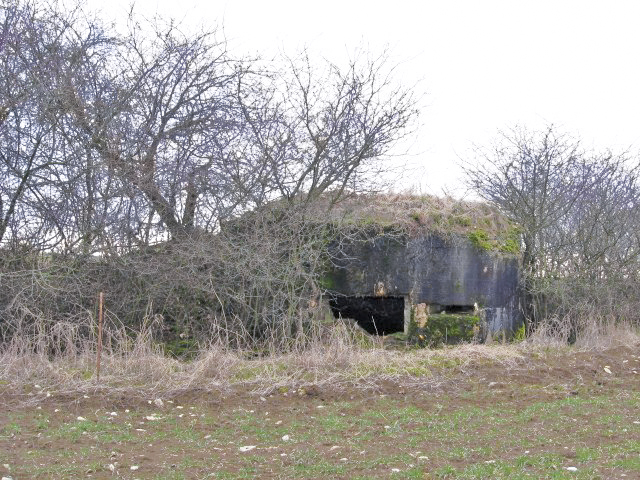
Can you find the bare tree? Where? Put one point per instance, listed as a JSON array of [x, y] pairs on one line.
[[26, 122], [321, 129], [44, 53], [577, 212]]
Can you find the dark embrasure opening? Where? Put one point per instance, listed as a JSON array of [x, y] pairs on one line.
[[377, 315], [458, 308]]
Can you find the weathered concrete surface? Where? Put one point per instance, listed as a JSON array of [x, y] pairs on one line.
[[441, 272]]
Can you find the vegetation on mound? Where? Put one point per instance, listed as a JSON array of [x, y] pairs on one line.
[[414, 215]]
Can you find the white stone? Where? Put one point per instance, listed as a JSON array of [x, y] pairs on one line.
[[246, 448]]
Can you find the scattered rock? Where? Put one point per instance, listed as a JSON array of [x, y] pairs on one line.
[[134, 467], [158, 403], [571, 469], [81, 419], [286, 438], [246, 448], [608, 370]]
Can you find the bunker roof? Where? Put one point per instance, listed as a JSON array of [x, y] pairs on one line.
[[417, 215]]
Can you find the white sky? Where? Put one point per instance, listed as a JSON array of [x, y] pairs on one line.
[[481, 65]]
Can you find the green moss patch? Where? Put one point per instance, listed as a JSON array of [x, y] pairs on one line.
[[480, 239], [450, 329]]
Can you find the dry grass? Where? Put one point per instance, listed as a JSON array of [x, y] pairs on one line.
[[593, 332], [134, 364], [423, 213]]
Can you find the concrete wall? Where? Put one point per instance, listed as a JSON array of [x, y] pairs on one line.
[[433, 270]]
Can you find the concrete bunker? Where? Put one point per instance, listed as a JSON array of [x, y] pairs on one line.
[[443, 268]]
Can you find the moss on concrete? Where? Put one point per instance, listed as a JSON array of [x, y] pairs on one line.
[[450, 329]]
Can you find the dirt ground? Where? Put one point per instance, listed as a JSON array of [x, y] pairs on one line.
[[555, 414]]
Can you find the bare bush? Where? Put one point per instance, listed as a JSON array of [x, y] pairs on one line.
[[578, 213]]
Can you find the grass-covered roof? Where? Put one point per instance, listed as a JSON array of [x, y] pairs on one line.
[[483, 224]]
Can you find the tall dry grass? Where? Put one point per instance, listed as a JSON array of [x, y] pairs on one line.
[[60, 358], [593, 331]]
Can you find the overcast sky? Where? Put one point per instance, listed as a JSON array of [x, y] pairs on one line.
[[480, 66]]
